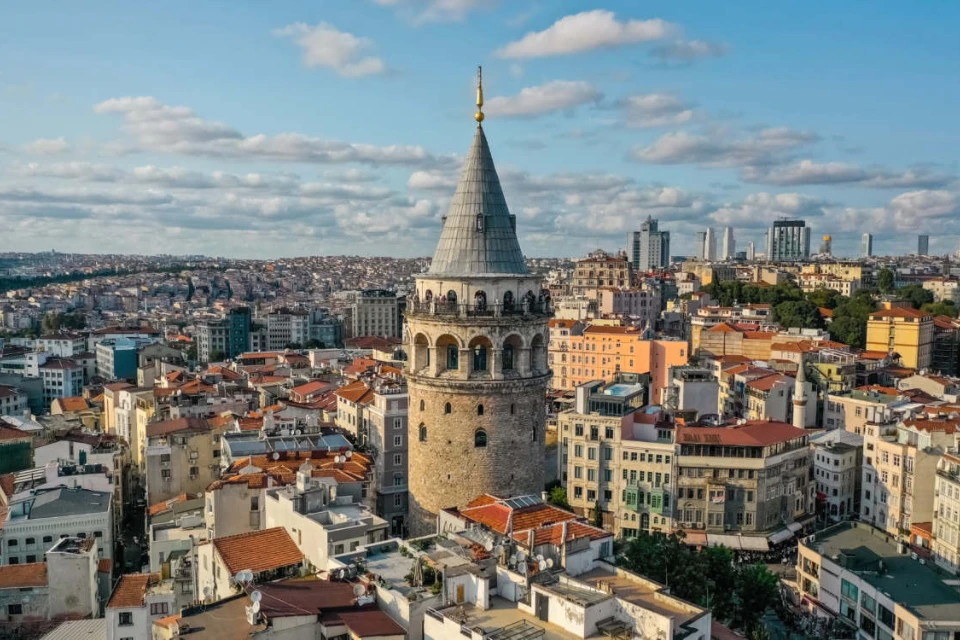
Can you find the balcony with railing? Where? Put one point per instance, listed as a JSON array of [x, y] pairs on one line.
[[479, 310]]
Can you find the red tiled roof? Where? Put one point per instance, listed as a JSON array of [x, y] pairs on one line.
[[117, 386], [496, 516], [258, 551], [755, 433], [551, 534], [370, 623], [74, 403], [934, 424], [33, 574], [633, 331], [105, 566], [723, 327], [178, 424], [7, 484], [12, 433], [166, 505], [898, 312], [356, 392], [168, 621], [130, 591], [310, 388], [766, 383]]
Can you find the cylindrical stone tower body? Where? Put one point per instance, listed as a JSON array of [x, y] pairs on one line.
[[476, 341]]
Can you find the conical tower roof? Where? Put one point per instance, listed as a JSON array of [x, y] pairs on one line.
[[479, 235]]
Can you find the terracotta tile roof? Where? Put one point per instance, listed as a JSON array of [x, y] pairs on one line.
[[12, 433], [551, 534], [824, 312], [130, 591], [356, 392], [258, 551], [168, 622], [295, 597], [563, 324], [105, 566], [497, 515], [766, 383], [311, 388], [633, 331], [74, 403], [723, 327], [898, 312], [23, 575], [167, 505], [874, 355], [483, 499], [370, 623], [759, 335], [934, 424], [117, 386], [7, 484], [165, 427], [755, 433], [59, 363]]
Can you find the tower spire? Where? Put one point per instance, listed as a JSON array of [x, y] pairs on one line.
[[478, 116]]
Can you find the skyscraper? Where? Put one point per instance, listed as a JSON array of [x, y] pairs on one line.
[[751, 251], [866, 245], [700, 245], [923, 245], [788, 240], [729, 244], [649, 248], [710, 245], [476, 339], [826, 247]]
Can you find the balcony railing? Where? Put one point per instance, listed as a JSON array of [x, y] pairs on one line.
[[474, 310]]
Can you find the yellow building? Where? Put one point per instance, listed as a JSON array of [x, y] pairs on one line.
[[841, 270], [908, 332]]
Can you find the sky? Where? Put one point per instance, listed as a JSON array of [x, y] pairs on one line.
[[322, 127]]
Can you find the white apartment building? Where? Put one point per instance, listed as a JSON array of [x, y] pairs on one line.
[[61, 379], [285, 327], [13, 402], [375, 314], [837, 462], [946, 513]]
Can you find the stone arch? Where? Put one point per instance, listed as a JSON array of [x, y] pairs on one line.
[[538, 354], [479, 409], [427, 295], [423, 405], [423, 432], [421, 352], [480, 300], [451, 297], [448, 352], [508, 301], [510, 352], [447, 409], [480, 438], [481, 349]]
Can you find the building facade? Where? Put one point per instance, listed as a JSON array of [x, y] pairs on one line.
[[649, 248], [788, 240], [375, 314], [476, 339]]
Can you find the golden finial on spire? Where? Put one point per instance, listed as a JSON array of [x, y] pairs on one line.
[[478, 116]]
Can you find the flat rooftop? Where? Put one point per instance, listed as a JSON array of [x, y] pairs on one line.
[[642, 593], [225, 620], [918, 587], [622, 389], [502, 613]]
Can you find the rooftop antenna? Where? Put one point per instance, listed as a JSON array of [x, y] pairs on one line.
[[478, 116]]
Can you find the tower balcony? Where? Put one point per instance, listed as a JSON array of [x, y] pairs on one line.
[[467, 310]]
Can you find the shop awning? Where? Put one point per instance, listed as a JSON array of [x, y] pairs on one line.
[[780, 536], [695, 538], [754, 543], [738, 543]]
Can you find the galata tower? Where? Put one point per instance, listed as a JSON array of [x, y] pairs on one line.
[[476, 339]]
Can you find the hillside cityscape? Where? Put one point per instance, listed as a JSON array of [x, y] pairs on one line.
[[577, 378]]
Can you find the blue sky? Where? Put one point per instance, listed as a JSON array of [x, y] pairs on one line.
[[255, 129]]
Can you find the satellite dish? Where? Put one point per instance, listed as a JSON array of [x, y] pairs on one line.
[[207, 592], [521, 556], [349, 454], [513, 559], [255, 607], [549, 563], [359, 590], [539, 557], [297, 432], [276, 455], [542, 565], [256, 596]]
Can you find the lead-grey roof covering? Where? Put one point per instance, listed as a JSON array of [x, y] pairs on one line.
[[464, 250]]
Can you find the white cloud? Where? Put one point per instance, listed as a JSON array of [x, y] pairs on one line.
[[655, 110], [159, 127], [807, 172], [47, 146], [765, 147], [437, 10], [689, 50], [597, 29], [761, 209], [324, 46], [558, 95], [86, 171]]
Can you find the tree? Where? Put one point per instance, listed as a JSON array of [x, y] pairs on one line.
[[942, 308], [719, 569], [597, 515], [885, 280], [757, 590], [826, 298], [798, 313], [312, 343], [558, 498], [217, 355], [916, 294]]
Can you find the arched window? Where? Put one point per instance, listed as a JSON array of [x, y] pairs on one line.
[[480, 301], [479, 409], [428, 295], [645, 522], [423, 432], [423, 405], [534, 433], [453, 357], [513, 409], [507, 357], [452, 296], [447, 408], [480, 358], [479, 438], [508, 300]]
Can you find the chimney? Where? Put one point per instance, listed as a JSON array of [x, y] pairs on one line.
[[531, 537]]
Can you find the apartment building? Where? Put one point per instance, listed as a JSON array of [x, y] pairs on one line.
[[376, 313], [286, 327], [751, 478], [618, 457], [181, 456], [388, 430], [601, 269], [62, 378], [946, 512], [852, 411], [603, 351], [693, 390], [861, 576], [710, 316], [899, 465], [905, 331], [837, 472], [13, 402], [641, 305]]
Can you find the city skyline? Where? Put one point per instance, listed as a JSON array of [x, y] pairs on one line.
[[298, 130]]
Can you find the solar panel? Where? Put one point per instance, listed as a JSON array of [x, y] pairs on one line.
[[519, 502]]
